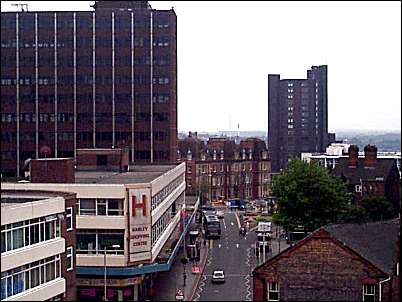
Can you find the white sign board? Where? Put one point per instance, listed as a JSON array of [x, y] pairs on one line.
[[140, 224], [179, 295]]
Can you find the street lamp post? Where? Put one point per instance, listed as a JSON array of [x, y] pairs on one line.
[[115, 246]]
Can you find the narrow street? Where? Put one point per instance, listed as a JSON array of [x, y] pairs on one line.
[[233, 254]]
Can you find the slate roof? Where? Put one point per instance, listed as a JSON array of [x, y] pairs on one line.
[[382, 169], [377, 242]]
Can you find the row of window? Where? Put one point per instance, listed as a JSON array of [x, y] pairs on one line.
[[83, 117], [82, 42], [69, 80], [25, 233], [160, 226], [97, 241], [98, 206], [161, 98], [65, 21], [84, 61], [162, 194], [31, 275]]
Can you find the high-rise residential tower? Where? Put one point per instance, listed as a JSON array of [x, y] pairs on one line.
[[105, 78], [297, 116]]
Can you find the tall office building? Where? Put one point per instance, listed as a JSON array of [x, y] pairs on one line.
[[105, 78], [297, 116]]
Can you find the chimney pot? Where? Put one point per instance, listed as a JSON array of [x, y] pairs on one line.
[[370, 156], [353, 156]]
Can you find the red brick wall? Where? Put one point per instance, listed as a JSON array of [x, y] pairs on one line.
[[116, 159], [318, 270], [70, 237], [55, 171], [258, 290]]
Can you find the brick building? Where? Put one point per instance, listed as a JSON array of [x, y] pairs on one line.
[[370, 176], [338, 262], [85, 79], [297, 116], [38, 245], [227, 169]]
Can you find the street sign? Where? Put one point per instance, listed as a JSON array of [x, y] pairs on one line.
[[179, 295], [196, 270]]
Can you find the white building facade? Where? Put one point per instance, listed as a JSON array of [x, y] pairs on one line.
[[31, 248]]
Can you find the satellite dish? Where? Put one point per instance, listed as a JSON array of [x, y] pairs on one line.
[[45, 151]]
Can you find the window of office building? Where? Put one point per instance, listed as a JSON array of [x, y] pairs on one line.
[[69, 219], [100, 206], [96, 241], [29, 276], [25, 233], [69, 255]]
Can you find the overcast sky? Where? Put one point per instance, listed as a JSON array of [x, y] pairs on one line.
[[227, 49]]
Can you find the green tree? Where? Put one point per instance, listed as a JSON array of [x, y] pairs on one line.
[[308, 196], [378, 208]]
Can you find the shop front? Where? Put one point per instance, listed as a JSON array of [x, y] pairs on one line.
[[128, 289]]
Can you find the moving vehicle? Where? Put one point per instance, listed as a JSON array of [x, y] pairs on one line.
[[218, 276], [236, 204], [212, 226], [220, 214]]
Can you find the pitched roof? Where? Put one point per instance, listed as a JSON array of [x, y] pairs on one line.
[[377, 242], [383, 169]]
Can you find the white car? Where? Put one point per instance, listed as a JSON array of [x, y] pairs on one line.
[[218, 276], [220, 214]]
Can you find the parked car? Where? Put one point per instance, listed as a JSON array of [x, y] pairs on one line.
[[218, 276]]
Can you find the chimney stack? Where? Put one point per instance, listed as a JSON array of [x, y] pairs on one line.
[[353, 156], [370, 156]]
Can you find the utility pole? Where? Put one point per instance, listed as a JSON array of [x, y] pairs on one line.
[[104, 273]]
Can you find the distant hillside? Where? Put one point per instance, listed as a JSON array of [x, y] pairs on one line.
[[384, 141]]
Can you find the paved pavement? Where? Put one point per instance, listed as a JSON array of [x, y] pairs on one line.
[[167, 283]]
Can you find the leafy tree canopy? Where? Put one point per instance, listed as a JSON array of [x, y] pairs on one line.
[[378, 208], [308, 196]]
